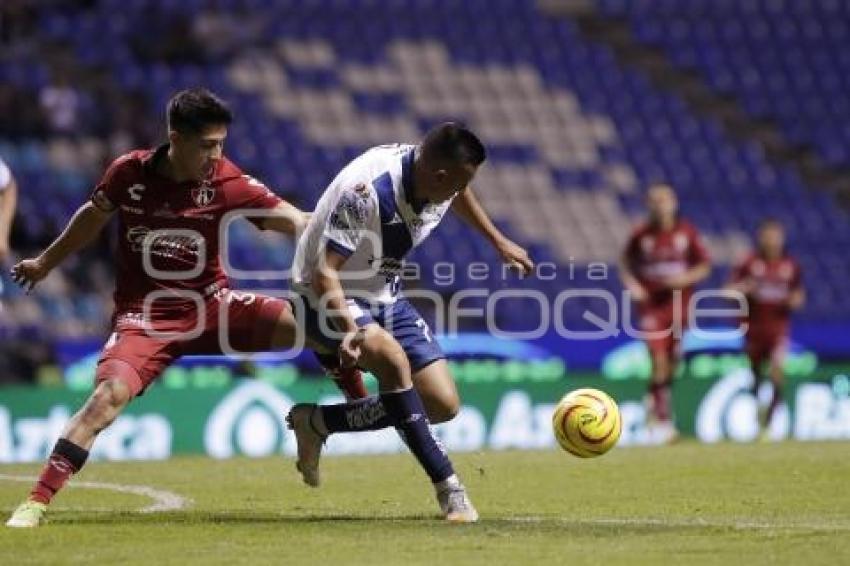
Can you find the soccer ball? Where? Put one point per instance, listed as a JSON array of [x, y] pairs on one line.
[[587, 423]]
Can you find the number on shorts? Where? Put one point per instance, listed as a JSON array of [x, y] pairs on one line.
[[426, 332]]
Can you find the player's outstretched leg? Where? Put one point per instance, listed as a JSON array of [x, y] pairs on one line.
[[71, 450], [399, 405]]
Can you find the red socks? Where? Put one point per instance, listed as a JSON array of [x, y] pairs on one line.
[[66, 459]]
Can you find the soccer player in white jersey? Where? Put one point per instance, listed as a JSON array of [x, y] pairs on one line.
[[346, 272], [8, 199]]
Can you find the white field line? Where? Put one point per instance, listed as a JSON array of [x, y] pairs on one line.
[[693, 523], [162, 500]]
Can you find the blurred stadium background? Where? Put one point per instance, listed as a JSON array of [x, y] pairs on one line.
[[741, 105]]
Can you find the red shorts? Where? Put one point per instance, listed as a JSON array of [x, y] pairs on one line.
[[662, 326], [137, 352]]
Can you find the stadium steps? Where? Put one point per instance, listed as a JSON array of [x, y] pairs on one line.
[[693, 90]]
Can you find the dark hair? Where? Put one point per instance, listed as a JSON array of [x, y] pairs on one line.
[[453, 142], [192, 110]]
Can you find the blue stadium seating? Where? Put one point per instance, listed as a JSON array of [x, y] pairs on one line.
[[620, 124]]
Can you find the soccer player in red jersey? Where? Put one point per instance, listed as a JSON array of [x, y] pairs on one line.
[[662, 262], [171, 204], [170, 289], [770, 279]]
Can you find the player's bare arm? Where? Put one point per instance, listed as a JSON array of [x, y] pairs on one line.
[[8, 200], [630, 282], [467, 206], [286, 219], [327, 287], [84, 227]]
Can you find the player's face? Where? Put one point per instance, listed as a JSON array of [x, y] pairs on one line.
[[772, 239], [198, 153], [448, 181], [662, 203]]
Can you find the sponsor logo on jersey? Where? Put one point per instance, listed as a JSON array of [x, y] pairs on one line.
[[387, 266], [130, 319], [164, 245]]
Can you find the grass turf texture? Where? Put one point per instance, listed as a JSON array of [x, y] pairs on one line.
[[726, 504]]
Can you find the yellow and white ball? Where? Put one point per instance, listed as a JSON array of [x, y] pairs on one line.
[[587, 423]]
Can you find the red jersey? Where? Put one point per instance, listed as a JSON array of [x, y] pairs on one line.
[[183, 220], [774, 281], [655, 255]]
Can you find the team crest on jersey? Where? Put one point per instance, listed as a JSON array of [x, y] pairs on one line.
[[758, 268], [786, 271], [647, 243], [680, 241], [203, 195]]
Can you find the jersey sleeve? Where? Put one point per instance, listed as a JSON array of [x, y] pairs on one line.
[[349, 219], [5, 176], [698, 251], [249, 193], [111, 191]]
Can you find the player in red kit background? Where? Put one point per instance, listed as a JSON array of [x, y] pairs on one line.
[[170, 203], [662, 262], [770, 280]]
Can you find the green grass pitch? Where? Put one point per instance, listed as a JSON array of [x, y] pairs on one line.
[[785, 503]]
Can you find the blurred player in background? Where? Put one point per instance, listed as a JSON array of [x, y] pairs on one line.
[[662, 262], [770, 280], [170, 202], [347, 271], [8, 200]]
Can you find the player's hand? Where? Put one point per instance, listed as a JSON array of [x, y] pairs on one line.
[[349, 350], [29, 272], [515, 256]]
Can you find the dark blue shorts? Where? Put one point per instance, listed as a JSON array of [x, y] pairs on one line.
[[400, 319]]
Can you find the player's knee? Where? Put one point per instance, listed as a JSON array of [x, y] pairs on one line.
[[107, 400], [443, 410], [385, 356]]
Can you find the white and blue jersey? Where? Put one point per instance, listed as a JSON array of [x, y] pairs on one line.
[[369, 215], [5, 176], [5, 181]]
